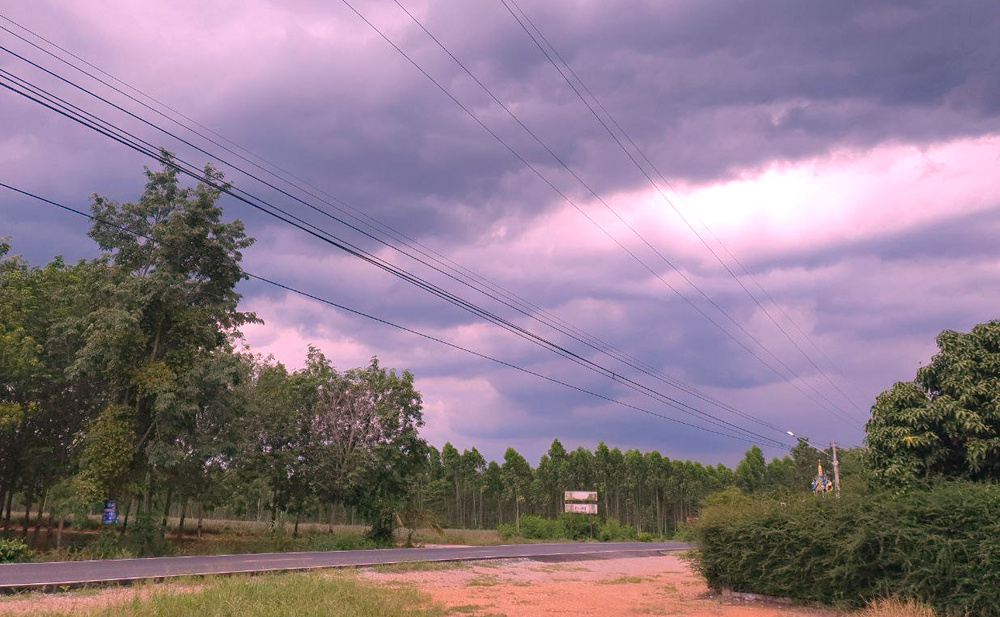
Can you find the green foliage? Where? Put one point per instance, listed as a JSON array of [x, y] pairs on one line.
[[611, 530], [108, 451], [939, 546], [538, 528], [106, 545], [145, 538], [751, 472], [947, 421], [571, 527], [13, 550]]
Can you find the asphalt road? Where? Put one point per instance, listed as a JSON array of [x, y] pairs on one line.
[[20, 576]]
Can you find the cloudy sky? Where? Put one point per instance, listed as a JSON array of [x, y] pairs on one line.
[[775, 204]]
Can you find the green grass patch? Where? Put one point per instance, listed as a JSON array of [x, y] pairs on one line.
[[483, 581], [621, 580], [419, 566], [299, 594]]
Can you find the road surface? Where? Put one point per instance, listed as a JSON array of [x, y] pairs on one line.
[[57, 574]]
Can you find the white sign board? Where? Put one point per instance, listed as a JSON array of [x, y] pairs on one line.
[[580, 496], [582, 508]]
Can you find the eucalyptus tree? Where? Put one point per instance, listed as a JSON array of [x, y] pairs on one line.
[[751, 471], [552, 479], [517, 478]]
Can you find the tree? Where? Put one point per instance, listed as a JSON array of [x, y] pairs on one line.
[[394, 454], [751, 472], [517, 477], [947, 421], [166, 300]]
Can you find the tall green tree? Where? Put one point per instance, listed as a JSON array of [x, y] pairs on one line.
[[517, 478], [751, 472], [168, 298], [947, 421], [394, 453]]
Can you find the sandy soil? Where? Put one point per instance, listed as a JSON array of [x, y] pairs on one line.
[[663, 585]]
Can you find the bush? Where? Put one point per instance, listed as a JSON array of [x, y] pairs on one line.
[[685, 533], [611, 530], [939, 546], [506, 531], [145, 538], [538, 528], [107, 545], [571, 527], [13, 550]]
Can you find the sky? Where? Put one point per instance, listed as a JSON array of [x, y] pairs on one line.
[[775, 204]]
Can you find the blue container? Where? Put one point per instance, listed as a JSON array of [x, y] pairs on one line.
[[110, 512]]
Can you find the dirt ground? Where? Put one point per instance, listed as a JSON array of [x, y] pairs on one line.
[[661, 585]]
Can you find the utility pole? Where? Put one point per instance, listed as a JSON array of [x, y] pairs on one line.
[[836, 463], [836, 470]]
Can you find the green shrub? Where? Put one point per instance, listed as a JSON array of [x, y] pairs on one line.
[[685, 533], [506, 531], [107, 545], [13, 550], [939, 546], [145, 538], [611, 530], [538, 528]]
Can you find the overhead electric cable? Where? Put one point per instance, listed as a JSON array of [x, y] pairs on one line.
[[830, 406], [263, 206], [665, 198], [400, 327], [668, 381]]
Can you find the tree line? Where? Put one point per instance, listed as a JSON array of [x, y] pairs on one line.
[[124, 377]]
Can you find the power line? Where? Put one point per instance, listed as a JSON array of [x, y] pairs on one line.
[[663, 195], [830, 406], [600, 346], [109, 130], [400, 327]]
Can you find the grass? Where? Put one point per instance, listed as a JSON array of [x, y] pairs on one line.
[[299, 594], [419, 566], [894, 607], [621, 580], [466, 537], [483, 581], [558, 567]]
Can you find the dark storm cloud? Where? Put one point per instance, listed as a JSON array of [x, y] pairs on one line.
[[711, 91]]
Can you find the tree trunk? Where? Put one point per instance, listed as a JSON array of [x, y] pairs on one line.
[[62, 521], [128, 511], [27, 516], [517, 514], [7, 507], [41, 510], [166, 507], [180, 524], [295, 530], [331, 521], [201, 518]]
